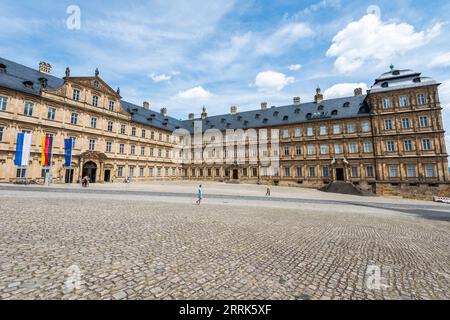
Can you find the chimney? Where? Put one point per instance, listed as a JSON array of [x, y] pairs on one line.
[[45, 67], [164, 111], [318, 98], [204, 114], [358, 92], [263, 105], [296, 101], [191, 116], [146, 105], [233, 110]]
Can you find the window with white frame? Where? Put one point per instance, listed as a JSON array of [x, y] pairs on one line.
[[353, 148], [142, 151], [386, 103], [311, 150], [430, 171], [95, 101], [141, 171], [91, 145], [338, 148], [388, 124], [299, 172], [133, 150], [368, 147], [426, 144], [74, 118], [405, 123], [51, 113], [133, 132], [152, 152], [325, 172], [351, 128], [369, 171], [110, 126], [108, 146], [150, 171], [390, 146], [336, 129], [287, 171], [287, 151], [1, 133], [111, 105], [323, 130], [421, 99], [365, 126], [312, 171], [122, 129], [298, 132], [403, 101], [411, 171], [310, 132], [94, 122], [408, 145], [298, 150], [393, 171], [131, 170], [354, 172], [28, 111], [324, 149], [423, 121], [285, 134], [121, 148], [120, 171], [143, 133], [3, 103], [76, 94]]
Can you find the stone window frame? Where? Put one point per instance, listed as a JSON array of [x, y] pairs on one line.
[[3, 103]]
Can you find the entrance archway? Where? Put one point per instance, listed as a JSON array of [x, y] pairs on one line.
[[340, 174], [90, 170]]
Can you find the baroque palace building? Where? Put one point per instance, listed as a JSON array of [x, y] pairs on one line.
[[389, 140]]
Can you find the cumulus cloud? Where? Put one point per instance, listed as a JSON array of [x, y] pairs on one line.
[[272, 81], [344, 90], [444, 94], [370, 39], [160, 77], [197, 93], [295, 67], [442, 60]]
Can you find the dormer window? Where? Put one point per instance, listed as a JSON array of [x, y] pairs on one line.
[[223, 120], [265, 120], [334, 113], [385, 85], [319, 108], [28, 84], [346, 105], [239, 118], [309, 116], [297, 110], [285, 118], [417, 80], [2, 67], [396, 72], [257, 116], [275, 114]]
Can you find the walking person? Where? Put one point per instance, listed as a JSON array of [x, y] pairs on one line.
[[268, 191], [199, 195]]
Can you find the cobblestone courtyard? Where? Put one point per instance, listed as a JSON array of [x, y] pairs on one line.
[[130, 245]]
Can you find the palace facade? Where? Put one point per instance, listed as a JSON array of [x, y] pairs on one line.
[[389, 140]]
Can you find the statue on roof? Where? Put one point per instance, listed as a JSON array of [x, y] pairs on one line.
[[67, 72], [392, 67], [97, 72], [118, 91]]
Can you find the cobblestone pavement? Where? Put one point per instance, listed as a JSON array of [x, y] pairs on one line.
[[107, 246]]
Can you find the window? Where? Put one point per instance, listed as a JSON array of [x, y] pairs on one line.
[[143, 133], [310, 132], [74, 118], [133, 150], [131, 171], [28, 109], [426, 144], [142, 151], [351, 128], [152, 135], [325, 172], [299, 172], [354, 172], [403, 101], [244, 172], [122, 129], [405, 123], [311, 150], [95, 101], [368, 147], [390, 146], [150, 172], [91, 145], [133, 132], [20, 173], [287, 172], [121, 148], [369, 171], [1, 134], [93, 122], [393, 171], [312, 171], [421, 99], [352, 148], [141, 171], [423, 122], [298, 150], [287, 151], [3, 103], [74, 141], [411, 171], [408, 145], [298, 132], [110, 126], [386, 103], [336, 129], [76, 94], [255, 172], [324, 149], [111, 106], [159, 171], [366, 127], [430, 171], [192, 172], [51, 113], [337, 148], [152, 152], [388, 124], [108, 146], [285, 134], [323, 131], [159, 153], [120, 171], [167, 154]]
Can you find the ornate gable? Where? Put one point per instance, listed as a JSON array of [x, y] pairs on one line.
[[95, 84]]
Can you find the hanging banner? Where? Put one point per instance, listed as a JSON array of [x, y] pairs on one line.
[[23, 147], [68, 146], [47, 145]]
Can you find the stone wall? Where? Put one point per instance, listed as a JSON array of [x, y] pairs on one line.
[[422, 191]]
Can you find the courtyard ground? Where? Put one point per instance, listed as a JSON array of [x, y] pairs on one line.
[[150, 241]]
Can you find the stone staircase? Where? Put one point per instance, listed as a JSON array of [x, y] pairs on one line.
[[345, 188]]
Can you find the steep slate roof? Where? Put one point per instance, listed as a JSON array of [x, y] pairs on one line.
[[16, 74], [400, 79], [285, 115], [355, 106]]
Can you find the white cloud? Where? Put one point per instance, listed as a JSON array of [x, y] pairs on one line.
[[344, 90], [444, 94], [160, 77], [295, 67], [442, 60], [197, 93], [272, 81], [370, 39]]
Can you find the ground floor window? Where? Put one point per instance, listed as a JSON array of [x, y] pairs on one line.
[[430, 171], [166, 172], [150, 172], [21, 172], [287, 172], [159, 172], [217, 172], [1, 133], [299, 172], [355, 172], [131, 171], [141, 171], [393, 171], [244, 172], [255, 172], [265, 171], [411, 171], [312, 171], [120, 171], [193, 172], [369, 171]]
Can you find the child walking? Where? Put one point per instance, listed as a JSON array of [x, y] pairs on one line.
[[199, 195]]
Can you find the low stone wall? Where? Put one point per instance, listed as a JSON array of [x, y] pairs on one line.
[[423, 191]]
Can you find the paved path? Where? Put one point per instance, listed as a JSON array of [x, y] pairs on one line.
[[69, 243]]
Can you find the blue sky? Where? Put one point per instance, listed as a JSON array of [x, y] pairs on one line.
[[187, 54]]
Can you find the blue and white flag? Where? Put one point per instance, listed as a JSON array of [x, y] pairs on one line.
[[68, 146], [23, 147]]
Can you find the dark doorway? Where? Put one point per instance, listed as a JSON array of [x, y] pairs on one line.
[[340, 174], [235, 174], [90, 170], [69, 176], [107, 175]]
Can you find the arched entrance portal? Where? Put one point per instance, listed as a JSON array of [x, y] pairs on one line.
[[90, 170]]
